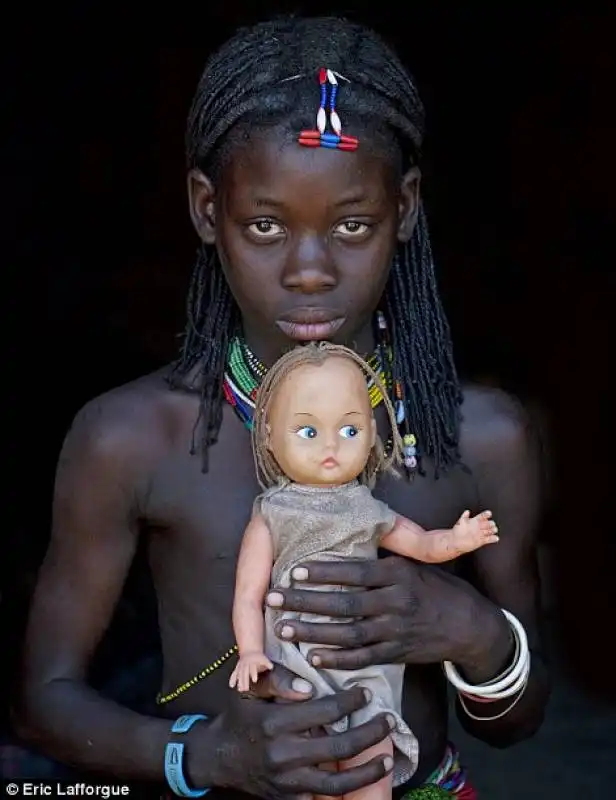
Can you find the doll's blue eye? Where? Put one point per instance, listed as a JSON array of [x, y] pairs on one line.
[[348, 431], [307, 432]]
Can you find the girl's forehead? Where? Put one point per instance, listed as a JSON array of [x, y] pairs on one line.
[[264, 171]]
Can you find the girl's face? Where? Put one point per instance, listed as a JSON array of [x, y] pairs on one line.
[[306, 238]]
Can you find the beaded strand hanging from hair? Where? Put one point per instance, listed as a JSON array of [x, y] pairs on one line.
[[319, 137], [409, 441]]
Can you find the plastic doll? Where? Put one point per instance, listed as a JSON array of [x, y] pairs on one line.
[[317, 455]]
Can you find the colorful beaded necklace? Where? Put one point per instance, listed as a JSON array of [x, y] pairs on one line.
[[245, 372]]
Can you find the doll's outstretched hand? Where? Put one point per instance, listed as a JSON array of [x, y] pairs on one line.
[[247, 670], [471, 533]]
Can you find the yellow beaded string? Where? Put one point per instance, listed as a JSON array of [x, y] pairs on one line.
[[184, 687], [375, 393]]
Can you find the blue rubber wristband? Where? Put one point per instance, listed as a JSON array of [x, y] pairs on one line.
[[174, 759]]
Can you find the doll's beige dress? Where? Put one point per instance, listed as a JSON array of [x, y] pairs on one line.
[[333, 524]]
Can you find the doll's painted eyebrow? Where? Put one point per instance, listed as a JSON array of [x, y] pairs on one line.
[[308, 414]]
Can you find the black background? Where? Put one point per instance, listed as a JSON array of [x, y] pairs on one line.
[[519, 184]]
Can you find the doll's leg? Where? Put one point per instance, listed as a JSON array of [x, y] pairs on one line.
[[377, 791]]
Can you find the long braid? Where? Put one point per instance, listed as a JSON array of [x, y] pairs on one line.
[[244, 87], [211, 320], [423, 353]]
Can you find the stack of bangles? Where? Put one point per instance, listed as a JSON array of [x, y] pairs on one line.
[[511, 683]]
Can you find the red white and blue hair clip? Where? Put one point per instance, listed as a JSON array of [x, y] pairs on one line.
[[320, 137]]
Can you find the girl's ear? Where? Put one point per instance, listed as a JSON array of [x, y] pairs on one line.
[[409, 204], [201, 196]]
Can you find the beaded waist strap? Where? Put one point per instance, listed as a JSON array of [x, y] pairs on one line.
[[448, 780]]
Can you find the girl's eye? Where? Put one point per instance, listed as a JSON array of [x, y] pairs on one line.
[[348, 431], [307, 432], [265, 228], [352, 229]]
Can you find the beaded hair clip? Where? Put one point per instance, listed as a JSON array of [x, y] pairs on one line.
[[320, 137]]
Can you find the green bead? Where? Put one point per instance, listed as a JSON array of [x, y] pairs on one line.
[[427, 793]]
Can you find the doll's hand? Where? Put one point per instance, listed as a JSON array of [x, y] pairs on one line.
[[247, 670], [401, 612], [471, 533]]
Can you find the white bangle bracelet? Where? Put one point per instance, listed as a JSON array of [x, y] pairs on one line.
[[514, 662], [500, 714], [505, 685]]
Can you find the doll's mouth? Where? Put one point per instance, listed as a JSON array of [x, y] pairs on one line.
[[329, 463], [310, 324]]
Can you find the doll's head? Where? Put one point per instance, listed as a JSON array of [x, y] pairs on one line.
[[313, 421]]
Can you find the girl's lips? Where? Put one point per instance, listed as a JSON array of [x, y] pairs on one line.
[[310, 331]]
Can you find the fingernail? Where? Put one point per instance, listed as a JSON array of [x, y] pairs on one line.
[[275, 599], [300, 685], [316, 661], [299, 574], [287, 632], [388, 763], [367, 695], [391, 721]]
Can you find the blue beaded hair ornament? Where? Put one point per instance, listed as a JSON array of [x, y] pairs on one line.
[[320, 137]]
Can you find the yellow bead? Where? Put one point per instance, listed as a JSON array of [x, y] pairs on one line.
[[183, 687]]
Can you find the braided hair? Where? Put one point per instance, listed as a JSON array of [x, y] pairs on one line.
[[264, 76]]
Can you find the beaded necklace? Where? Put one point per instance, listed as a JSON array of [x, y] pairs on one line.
[[245, 372]]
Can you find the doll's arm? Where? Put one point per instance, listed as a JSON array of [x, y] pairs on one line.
[[433, 547], [253, 574], [254, 569]]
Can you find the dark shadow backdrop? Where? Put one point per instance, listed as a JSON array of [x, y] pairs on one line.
[[519, 185]]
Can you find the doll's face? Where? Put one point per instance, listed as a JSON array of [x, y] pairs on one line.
[[321, 428]]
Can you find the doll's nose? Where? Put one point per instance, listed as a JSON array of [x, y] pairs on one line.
[[331, 445]]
